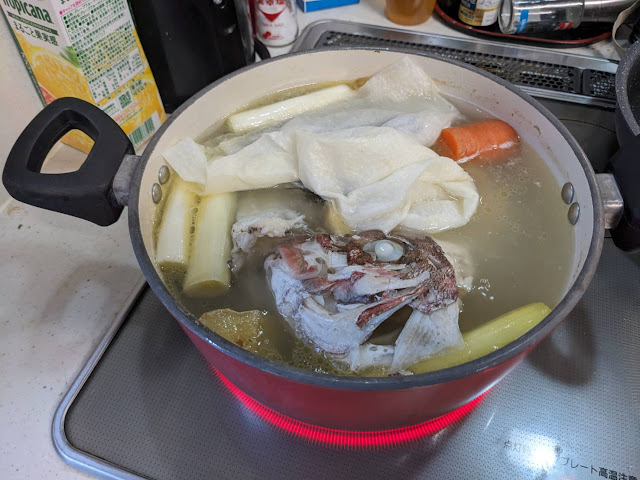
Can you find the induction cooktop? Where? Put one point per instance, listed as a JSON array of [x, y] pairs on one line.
[[147, 405]]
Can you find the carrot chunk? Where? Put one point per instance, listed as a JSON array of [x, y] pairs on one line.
[[484, 141]]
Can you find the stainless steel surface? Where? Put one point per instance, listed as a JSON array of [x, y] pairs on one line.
[[122, 180], [156, 193], [604, 10], [611, 198], [574, 213], [148, 406], [164, 174], [567, 193], [539, 72]]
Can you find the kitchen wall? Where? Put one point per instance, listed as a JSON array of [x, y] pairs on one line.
[[18, 99]]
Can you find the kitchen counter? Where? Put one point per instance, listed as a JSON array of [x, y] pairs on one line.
[[63, 280]]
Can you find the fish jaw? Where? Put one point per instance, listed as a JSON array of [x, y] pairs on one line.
[[426, 335], [335, 294], [337, 333], [423, 336]]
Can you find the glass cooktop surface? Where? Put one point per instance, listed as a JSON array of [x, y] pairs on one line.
[[147, 405]]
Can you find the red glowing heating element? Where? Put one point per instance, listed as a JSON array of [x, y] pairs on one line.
[[347, 438]]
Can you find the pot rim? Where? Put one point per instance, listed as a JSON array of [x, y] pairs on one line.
[[631, 57], [526, 341]]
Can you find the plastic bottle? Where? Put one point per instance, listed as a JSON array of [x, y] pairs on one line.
[[409, 12]]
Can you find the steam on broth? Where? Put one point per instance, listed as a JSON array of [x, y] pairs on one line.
[[516, 249]]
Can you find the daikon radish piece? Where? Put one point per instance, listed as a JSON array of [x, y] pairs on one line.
[[208, 273], [286, 109], [172, 248], [488, 337]]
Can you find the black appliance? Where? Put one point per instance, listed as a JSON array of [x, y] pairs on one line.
[[191, 43]]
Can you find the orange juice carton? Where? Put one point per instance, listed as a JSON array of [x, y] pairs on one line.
[[88, 49]]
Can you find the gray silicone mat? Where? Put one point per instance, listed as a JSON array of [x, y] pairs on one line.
[[571, 410]]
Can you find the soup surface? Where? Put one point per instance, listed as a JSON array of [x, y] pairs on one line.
[[518, 247]]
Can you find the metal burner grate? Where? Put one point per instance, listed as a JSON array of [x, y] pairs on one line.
[[599, 84], [530, 73], [541, 73]]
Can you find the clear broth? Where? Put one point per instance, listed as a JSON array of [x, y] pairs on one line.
[[519, 239]]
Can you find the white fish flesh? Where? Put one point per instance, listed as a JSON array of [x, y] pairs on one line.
[[334, 291], [265, 214]]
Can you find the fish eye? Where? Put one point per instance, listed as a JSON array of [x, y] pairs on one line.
[[385, 250]]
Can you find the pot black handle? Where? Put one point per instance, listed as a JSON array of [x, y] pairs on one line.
[[86, 193], [625, 166]]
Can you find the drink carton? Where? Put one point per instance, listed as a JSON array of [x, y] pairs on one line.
[[88, 49]]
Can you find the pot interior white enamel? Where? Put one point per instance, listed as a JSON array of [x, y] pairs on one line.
[[554, 145]]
